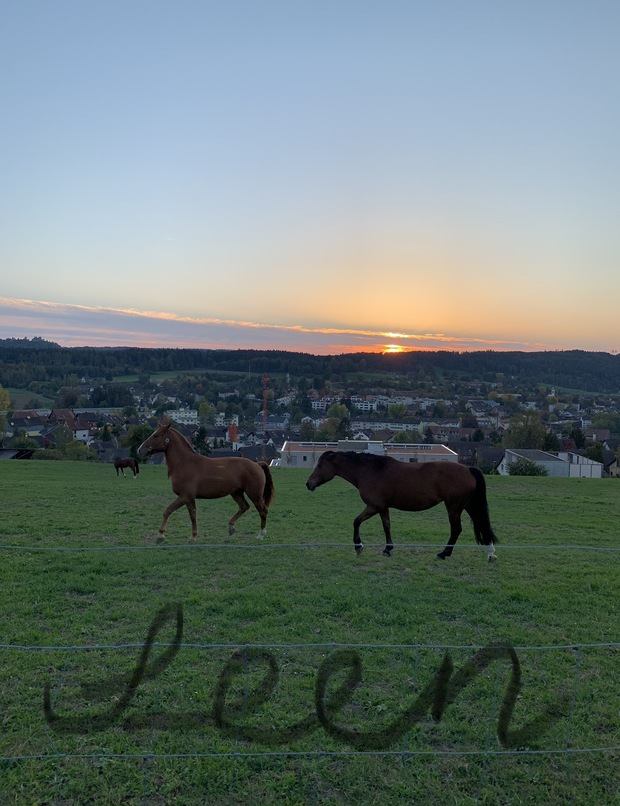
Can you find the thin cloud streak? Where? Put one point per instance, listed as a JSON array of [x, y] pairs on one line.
[[78, 325]]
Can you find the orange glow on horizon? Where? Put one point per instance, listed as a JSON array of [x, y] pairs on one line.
[[74, 325]]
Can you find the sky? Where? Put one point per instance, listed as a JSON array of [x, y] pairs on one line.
[[328, 176]]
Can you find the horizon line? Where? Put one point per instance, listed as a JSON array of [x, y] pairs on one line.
[[74, 325], [404, 351]]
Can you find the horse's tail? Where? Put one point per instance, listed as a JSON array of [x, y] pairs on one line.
[[269, 490], [478, 511], [136, 466]]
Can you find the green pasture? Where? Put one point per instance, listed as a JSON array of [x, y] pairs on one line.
[[222, 374], [19, 398], [303, 672]]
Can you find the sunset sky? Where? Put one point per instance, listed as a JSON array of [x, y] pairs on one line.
[[325, 176]]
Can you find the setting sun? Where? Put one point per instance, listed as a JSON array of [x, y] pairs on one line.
[[393, 348]]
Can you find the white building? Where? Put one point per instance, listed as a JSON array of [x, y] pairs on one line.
[[388, 425], [306, 454], [184, 416], [561, 465], [221, 419], [361, 404]]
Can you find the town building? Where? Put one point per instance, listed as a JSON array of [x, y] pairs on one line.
[[565, 464], [306, 454]]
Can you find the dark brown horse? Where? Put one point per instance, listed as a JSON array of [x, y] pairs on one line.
[[384, 482], [194, 476], [121, 464]]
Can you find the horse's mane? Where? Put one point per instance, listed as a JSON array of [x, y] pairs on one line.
[[185, 439], [366, 459]]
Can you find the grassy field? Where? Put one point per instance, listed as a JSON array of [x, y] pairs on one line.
[[19, 398], [302, 673]]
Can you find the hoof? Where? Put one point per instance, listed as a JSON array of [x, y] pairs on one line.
[[492, 558], [387, 552], [231, 530], [160, 539], [441, 556], [359, 549]]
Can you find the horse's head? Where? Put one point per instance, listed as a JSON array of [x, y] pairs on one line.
[[324, 471], [157, 442]]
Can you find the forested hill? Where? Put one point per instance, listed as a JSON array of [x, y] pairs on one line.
[[37, 360], [37, 341]]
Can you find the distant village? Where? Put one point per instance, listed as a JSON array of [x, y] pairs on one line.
[[290, 425]]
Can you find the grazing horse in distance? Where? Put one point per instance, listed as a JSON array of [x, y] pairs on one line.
[[195, 476], [384, 482], [121, 464]]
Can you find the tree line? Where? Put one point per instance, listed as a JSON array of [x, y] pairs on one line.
[[44, 363]]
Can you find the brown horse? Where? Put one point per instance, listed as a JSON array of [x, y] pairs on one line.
[[121, 464], [194, 476], [384, 482]]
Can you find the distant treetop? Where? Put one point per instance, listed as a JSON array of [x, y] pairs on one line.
[[36, 341]]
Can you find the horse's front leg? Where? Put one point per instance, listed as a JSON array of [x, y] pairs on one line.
[[176, 504], [455, 530], [363, 516], [385, 520]]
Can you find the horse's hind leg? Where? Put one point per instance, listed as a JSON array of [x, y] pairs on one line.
[[385, 520], [456, 527], [191, 508], [481, 537], [261, 508], [243, 505]]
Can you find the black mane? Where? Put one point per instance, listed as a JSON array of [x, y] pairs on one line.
[[368, 459]]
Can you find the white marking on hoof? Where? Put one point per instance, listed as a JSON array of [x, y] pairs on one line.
[[262, 533], [491, 557]]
